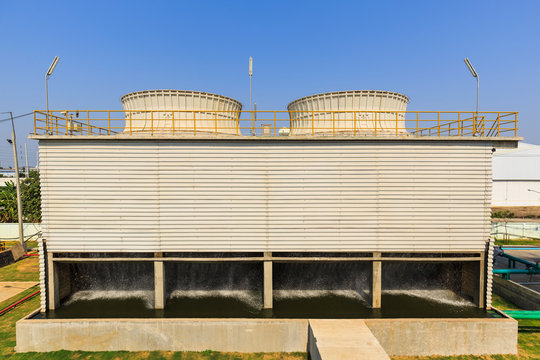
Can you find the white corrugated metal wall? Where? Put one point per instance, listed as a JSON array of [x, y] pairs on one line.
[[265, 195]]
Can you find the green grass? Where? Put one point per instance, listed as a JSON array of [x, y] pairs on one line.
[[511, 242], [23, 270]]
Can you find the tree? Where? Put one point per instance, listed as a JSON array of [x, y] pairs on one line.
[[8, 202], [504, 216], [30, 198]]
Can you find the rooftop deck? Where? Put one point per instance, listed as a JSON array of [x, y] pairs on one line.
[[282, 124]]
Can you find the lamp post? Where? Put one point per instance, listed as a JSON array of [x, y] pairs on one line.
[[17, 183], [250, 98], [475, 74], [250, 75], [49, 73]]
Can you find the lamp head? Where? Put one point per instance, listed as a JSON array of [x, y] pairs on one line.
[[471, 68], [53, 65]]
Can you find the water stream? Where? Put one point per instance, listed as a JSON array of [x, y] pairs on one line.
[[314, 290]]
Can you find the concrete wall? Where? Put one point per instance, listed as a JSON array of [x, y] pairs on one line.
[[397, 336], [9, 256], [10, 231], [229, 335], [424, 337], [518, 294]]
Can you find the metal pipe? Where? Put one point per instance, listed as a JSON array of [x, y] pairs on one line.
[[516, 271], [520, 260], [523, 314]]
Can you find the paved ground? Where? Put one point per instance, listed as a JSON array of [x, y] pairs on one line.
[[526, 254], [12, 288], [343, 339]]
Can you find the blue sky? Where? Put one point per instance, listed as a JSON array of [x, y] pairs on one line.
[[109, 48]]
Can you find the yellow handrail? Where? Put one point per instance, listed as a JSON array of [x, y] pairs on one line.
[[300, 123]]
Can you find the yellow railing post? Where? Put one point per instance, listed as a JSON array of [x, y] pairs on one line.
[[438, 123], [109, 118], [130, 123], [237, 122], [417, 123], [275, 124], [396, 123], [88, 123], [253, 123], [35, 129], [333, 123]]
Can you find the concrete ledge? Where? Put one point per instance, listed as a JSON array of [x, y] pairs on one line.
[[425, 337], [228, 335], [11, 255], [520, 295], [412, 337], [6, 258]]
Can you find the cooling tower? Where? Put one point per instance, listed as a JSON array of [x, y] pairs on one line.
[[356, 112], [180, 112]]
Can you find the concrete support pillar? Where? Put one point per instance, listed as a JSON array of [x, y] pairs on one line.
[[52, 283], [482, 282], [267, 287], [159, 285], [376, 279]]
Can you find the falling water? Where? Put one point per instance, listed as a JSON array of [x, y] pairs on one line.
[[301, 290]]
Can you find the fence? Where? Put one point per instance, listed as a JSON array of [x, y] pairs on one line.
[[269, 123]]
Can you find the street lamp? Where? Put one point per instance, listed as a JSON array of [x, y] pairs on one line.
[[17, 182], [49, 73]]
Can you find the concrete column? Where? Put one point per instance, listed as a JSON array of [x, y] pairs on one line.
[[159, 285], [267, 288], [376, 279], [52, 283], [482, 282]]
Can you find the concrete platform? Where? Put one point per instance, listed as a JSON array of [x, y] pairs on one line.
[[343, 340], [410, 337], [12, 288]]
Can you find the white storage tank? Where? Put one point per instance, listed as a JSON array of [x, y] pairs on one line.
[[180, 112], [355, 112]]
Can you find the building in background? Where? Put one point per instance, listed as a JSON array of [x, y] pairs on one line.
[[516, 176]]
